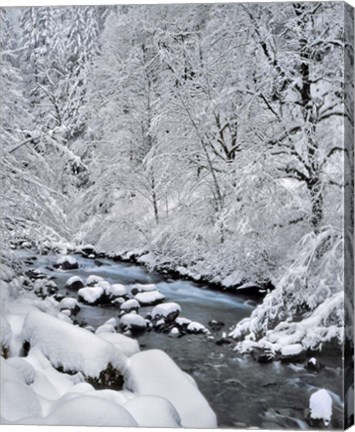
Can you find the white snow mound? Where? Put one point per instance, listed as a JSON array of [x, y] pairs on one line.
[[320, 406], [70, 347], [154, 373]]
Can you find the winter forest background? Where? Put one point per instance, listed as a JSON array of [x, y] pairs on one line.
[[204, 140]]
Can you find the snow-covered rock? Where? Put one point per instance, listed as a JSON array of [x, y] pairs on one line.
[[66, 262], [149, 298], [292, 352], [93, 280], [84, 410], [174, 332], [45, 287], [130, 306], [74, 282], [69, 303], [168, 311], [90, 295], [321, 407], [118, 290], [87, 250], [153, 411], [69, 347], [196, 328], [154, 373], [106, 328], [124, 344], [139, 288], [133, 322]]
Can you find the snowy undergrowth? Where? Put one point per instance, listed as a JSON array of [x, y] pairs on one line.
[[61, 374], [307, 306]]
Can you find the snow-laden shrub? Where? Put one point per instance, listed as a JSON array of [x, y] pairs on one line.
[[307, 305]]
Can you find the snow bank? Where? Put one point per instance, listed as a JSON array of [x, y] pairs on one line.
[[70, 347], [154, 373], [320, 406], [149, 298], [127, 346], [153, 411], [84, 410]]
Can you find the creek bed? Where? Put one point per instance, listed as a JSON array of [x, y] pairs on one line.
[[242, 392]]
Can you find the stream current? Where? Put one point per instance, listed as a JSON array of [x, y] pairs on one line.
[[242, 392]]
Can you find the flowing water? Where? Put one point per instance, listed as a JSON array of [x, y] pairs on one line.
[[242, 392]]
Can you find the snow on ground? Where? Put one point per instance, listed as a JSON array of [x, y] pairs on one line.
[[126, 345], [292, 350], [320, 406], [145, 408], [149, 298], [154, 373], [86, 410]]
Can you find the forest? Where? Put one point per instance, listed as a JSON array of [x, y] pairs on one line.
[[210, 143]]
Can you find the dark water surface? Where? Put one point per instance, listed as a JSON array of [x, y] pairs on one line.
[[242, 392]]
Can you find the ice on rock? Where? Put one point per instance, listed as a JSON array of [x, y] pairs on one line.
[[86, 410], [320, 406], [93, 280], [74, 282], [90, 295], [149, 298], [154, 373], [124, 344], [139, 288], [70, 347], [168, 311], [153, 411], [132, 321]]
